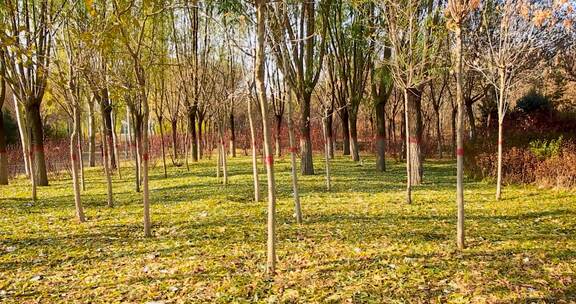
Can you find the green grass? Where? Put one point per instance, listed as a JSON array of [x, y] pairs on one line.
[[360, 243]]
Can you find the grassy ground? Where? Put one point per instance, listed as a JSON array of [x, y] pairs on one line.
[[360, 243]]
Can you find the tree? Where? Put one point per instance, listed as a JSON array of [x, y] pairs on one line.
[[514, 33], [27, 40], [459, 10], [411, 27], [3, 155], [299, 49]]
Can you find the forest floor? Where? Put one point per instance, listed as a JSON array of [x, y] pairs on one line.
[[360, 243]]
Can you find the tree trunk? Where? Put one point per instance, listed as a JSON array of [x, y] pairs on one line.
[[37, 142], [459, 143], [307, 164], [415, 131], [74, 162], [92, 136], [107, 117], [254, 153], [174, 124], [471, 120], [293, 152], [278, 135], [201, 142], [380, 136], [80, 148], [106, 166], [32, 167], [268, 152], [232, 136], [327, 141], [345, 131], [163, 145], [24, 137], [500, 150], [407, 133], [145, 159], [137, 142], [353, 119], [3, 155], [439, 133], [192, 131], [223, 154], [115, 146], [330, 130]]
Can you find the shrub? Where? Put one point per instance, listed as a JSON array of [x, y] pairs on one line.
[[560, 170], [544, 149], [533, 102]]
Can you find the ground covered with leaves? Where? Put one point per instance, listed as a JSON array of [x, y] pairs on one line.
[[360, 243]]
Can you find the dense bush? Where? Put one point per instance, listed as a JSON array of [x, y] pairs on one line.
[[545, 163], [533, 102]]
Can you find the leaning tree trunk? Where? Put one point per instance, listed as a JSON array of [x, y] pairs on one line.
[[37, 142], [293, 152], [354, 147], [232, 136], [380, 136], [3, 155], [415, 131], [74, 140], [307, 164], [254, 153], [344, 116]]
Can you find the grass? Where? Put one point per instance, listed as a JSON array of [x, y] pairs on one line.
[[360, 243]]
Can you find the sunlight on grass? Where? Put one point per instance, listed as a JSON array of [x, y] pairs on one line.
[[359, 243]]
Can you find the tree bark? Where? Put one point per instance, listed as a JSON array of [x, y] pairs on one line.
[[327, 141], [407, 133], [345, 131], [163, 145], [37, 142], [268, 152], [380, 136], [232, 136], [254, 153], [108, 132], [459, 142], [24, 137], [192, 131], [174, 124], [3, 155], [439, 133], [91, 135], [500, 150], [355, 150], [278, 135], [201, 137], [293, 152], [106, 166], [330, 132], [471, 120], [415, 131], [74, 140], [307, 163]]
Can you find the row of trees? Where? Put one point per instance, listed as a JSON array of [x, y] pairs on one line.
[[210, 58]]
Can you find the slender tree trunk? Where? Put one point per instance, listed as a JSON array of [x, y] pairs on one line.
[[380, 136], [459, 142], [187, 148], [80, 148], [307, 163], [439, 133], [415, 131], [223, 154], [137, 142], [293, 152], [91, 136], [353, 119], [500, 150], [163, 145], [326, 150], [330, 132], [201, 137], [24, 137], [232, 136], [471, 120], [254, 153], [37, 142], [278, 135], [108, 131], [3, 155], [30, 156], [407, 133], [344, 116], [268, 152], [174, 124], [106, 166], [74, 140], [192, 131], [115, 147]]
